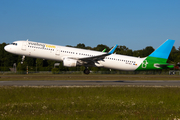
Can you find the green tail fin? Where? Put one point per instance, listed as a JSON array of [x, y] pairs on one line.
[[158, 59]]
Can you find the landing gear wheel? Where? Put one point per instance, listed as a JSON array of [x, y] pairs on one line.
[[86, 71]]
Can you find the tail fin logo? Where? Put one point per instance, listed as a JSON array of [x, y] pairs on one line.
[[144, 64]]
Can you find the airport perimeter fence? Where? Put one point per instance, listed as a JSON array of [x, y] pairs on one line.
[[97, 72]]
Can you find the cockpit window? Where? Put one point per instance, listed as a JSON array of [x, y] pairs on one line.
[[13, 43]]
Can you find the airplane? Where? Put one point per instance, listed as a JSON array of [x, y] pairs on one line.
[[73, 57]]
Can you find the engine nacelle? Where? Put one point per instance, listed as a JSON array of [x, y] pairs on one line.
[[69, 62]]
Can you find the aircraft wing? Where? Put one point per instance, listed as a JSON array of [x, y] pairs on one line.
[[96, 58]]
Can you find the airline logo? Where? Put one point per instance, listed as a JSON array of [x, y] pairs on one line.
[[144, 64], [50, 46], [36, 44]]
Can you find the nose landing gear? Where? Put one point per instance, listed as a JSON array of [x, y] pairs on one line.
[[23, 57]]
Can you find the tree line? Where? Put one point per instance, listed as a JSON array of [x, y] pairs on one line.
[[7, 60]]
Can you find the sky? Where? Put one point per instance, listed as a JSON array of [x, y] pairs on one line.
[[133, 23]]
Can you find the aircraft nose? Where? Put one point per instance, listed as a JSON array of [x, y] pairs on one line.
[[10, 48], [7, 48]]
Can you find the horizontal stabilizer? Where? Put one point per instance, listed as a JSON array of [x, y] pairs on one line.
[[164, 65]]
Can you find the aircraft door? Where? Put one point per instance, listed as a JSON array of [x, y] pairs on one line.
[[57, 51], [24, 44]]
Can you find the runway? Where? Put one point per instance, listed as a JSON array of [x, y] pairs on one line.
[[92, 83]]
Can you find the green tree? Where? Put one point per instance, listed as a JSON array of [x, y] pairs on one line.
[[121, 50], [39, 62], [129, 52], [137, 53], [101, 47], [22, 66], [30, 61], [80, 45], [174, 56], [6, 59], [147, 51]]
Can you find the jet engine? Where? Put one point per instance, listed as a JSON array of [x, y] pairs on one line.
[[69, 62]]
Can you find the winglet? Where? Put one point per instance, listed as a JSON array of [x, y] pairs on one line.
[[104, 50], [112, 50]]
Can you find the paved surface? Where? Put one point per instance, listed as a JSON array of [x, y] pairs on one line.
[[92, 83]]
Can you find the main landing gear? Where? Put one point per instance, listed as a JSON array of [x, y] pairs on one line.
[[86, 71]]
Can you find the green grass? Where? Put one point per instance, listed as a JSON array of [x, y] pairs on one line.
[[89, 103]]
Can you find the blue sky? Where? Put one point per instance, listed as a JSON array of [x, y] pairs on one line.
[[133, 23]]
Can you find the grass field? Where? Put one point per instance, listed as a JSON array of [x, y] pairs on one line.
[[87, 77], [40, 103]]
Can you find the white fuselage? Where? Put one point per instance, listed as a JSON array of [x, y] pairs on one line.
[[59, 53]]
